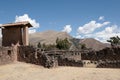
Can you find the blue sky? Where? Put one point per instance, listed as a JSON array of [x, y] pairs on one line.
[[99, 19]]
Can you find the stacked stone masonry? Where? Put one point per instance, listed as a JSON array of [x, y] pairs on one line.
[[109, 57]]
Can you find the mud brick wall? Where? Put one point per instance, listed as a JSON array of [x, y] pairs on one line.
[[7, 55]]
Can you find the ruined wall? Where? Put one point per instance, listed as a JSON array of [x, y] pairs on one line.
[[69, 62], [32, 55], [27, 54], [109, 64], [48, 59], [105, 54], [7, 55], [106, 58]]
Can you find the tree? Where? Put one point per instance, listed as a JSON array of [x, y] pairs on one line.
[[39, 45], [50, 47], [62, 44], [83, 46], [44, 46], [66, 43], [57, 40], [114, 41]]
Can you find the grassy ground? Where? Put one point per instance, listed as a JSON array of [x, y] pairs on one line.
[[24, 71]]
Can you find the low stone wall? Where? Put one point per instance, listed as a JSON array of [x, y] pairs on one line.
[[69, 62], [7, 55], [105, 54], [67, 58], [47, 59], [109, 64], [33, 55], [108, 57], [28, 54]]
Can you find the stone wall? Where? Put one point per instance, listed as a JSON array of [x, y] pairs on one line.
[[105, 54], [69, 62], [49, 59], [7, 55], [28, 54], [109, 64], [106, 58], [33, 55]]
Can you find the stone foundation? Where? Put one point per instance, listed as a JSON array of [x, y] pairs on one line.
[[7, 55]]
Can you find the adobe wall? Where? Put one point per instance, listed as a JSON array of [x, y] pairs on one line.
[[11, 35], [7, 55]]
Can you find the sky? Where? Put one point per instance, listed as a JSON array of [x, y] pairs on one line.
[[99, 19]]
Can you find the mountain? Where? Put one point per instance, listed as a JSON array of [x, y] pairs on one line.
[[47, 37], [94, 44]]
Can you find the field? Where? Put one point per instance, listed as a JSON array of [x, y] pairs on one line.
[[24, 71]]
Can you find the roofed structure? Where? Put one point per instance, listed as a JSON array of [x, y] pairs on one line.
[[15, 33]]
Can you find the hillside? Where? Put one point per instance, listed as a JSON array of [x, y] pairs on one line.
[[24, 71], [47, 37], [94, 44]]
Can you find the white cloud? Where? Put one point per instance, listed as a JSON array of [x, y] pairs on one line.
[[101, 18], [90, 27], [104, 30], [67, 29], [79, 37], [26, 17], [32, 31], [108, 32], [105, 34]]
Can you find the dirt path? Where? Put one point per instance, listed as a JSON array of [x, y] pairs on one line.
[[24, 71]]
